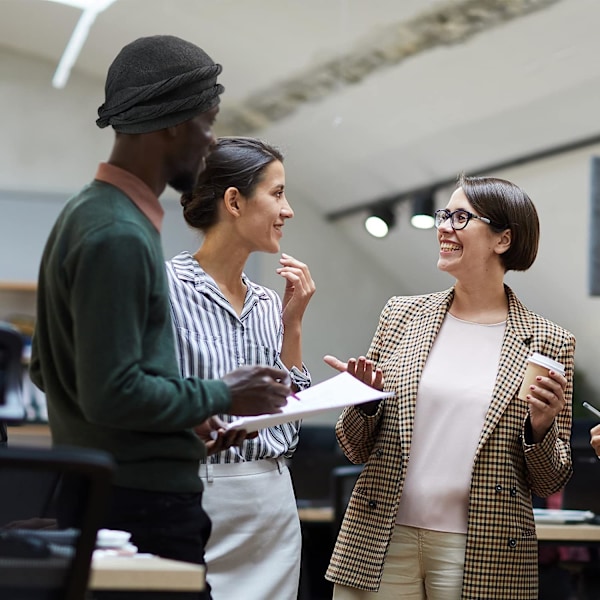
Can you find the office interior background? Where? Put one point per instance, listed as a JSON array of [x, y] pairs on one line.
[[372, 102]]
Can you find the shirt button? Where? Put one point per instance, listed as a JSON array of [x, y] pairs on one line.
[[498, 488], [241, 361], [372, 504], [512, 543]]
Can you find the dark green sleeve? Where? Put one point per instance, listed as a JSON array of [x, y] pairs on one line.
[[125, 361]]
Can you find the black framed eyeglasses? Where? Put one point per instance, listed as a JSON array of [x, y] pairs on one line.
[[459, 218]]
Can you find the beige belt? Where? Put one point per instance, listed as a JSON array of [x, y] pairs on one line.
[[252, 467]]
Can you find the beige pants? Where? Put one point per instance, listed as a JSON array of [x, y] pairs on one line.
[[420, 564], [253, 551]]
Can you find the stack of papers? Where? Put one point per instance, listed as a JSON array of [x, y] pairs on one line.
[[338, 392]]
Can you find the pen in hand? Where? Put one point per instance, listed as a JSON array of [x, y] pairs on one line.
[[288, 381]]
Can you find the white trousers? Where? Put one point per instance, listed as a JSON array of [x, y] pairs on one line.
[[253, 552], [421, 564]]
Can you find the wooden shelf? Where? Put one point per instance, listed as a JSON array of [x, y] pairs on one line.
[[17, 299], [18, 286], [30, 434]]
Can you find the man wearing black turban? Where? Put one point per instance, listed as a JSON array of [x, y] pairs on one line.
[[103, 349], [156, 82]]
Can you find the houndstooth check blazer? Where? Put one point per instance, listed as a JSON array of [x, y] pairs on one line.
[[501, 551]]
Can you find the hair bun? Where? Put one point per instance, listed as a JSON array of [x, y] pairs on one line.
[[185, 199]]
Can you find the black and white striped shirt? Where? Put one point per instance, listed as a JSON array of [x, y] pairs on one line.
[[212, 340]]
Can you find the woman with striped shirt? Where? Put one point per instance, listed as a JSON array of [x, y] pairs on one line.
[[223, 320]]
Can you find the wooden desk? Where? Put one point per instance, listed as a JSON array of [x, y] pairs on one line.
[[145, 573], [579, 533], [109, 573], [316, 514]]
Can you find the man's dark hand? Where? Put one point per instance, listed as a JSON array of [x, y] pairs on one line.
[[257, 390], [216, 437]]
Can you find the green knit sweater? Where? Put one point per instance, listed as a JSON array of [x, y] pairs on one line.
[[103, 349]]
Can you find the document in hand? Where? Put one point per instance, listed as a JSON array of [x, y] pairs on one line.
[[338, 392]]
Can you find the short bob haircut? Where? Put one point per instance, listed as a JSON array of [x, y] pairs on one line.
[[237, 162], [508, 207]]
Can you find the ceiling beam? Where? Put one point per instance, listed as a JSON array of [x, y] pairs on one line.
[[447, 24]]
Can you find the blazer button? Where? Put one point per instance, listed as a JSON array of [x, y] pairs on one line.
[[498, 488], [513, 491], [512, 543], [379, 453], [372, 504]]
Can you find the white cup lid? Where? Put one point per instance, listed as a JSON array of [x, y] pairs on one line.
[[544, 361]]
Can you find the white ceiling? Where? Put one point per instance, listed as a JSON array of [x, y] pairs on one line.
[[522, 86], [519, 87]]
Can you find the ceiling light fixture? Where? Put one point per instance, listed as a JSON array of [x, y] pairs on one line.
[[380, 221], [422, 211], [91, 9], [382, 213]]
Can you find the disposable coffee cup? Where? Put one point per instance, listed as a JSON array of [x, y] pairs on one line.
[[538, 365]]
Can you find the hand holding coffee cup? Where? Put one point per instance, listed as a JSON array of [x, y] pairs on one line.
[[538, 365], [546, 399]]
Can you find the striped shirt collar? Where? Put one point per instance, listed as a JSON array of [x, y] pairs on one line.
[[135, 189], [187, 268]]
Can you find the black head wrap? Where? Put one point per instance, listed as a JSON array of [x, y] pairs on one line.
[[157, 82]]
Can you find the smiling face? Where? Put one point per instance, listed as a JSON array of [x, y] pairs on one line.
[[263, 214], [472, 252]]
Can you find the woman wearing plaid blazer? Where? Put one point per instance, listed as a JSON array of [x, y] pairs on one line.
[[443, 507]]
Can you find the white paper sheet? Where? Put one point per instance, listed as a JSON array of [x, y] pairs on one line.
[[338, 392]]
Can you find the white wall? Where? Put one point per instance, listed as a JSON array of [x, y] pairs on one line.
[[557, 284], [50, 147]]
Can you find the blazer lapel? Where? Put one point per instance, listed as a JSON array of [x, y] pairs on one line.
[[513, 356], [418, 338]]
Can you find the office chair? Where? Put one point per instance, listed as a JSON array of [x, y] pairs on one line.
[[51, 505], [342, 483], [11, 378]]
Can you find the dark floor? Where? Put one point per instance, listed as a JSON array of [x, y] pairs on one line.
[[317, 545], [570, 582]]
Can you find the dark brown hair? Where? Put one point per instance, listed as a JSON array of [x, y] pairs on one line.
[[233, 162], [508, 207]]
